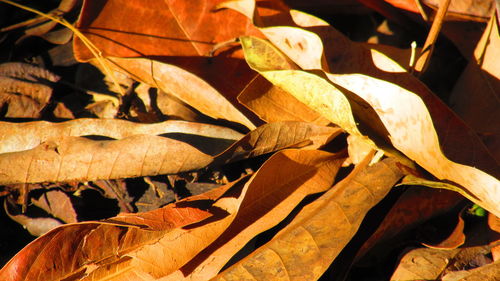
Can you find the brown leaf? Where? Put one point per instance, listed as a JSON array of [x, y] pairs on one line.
[[494, 236], [81, 159], [273, 104], [277, 187], [24, 136], [57, 204], [423, 264], [152, 245], [466, 9], [36, 226], [460, 264], [305, 248], [73, 250], [160, 28], [430, 128], [275, 136], [455, 239], [414, 206], [184, 85], [76, 158], [24, 89], [475, 97]]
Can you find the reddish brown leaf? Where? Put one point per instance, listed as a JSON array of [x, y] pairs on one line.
[[24, 89], [455, 239], [158, 28], [306, 247], [71, 250]]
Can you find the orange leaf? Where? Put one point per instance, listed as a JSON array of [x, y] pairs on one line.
[[305, 248]]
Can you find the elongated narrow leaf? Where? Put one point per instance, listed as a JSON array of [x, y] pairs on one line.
[[306, 247], [24, 136], [184, 85], [277, 187], [275, 136], [81, 159], [416, 121], [273, 104], [74, 250]]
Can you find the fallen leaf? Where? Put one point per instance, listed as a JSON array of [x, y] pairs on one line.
[[317, 92], [305, 248], [67, 158], [57, 204], [475, 97], [458, 264], [36, 226], [396, 100], [24, 89], [24, 136], [494, 236], [278, 186], [486, 272], [160, 28], [81, 159], [152, 245], [422, 264], [184, 85], [454, 240], [40, 26], [273, 104], [74, 250], [275, 136], [466, 9], [415, 206]]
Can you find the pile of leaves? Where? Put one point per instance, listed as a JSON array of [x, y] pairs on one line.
[[245, 140]]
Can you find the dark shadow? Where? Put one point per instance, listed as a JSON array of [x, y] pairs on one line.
[[244, 218], [207, 145], [92, 206]]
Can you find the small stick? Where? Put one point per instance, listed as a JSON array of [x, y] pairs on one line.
[[426, 53]]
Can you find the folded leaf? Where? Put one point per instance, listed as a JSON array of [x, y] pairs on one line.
[[72, 250], [416, 121], [275, 136], [24, 136], [273, 104], [184, 85], [81, 159], [305, 248], [277, 187]]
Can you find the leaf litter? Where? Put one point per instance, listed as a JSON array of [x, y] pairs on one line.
[[270, 123]]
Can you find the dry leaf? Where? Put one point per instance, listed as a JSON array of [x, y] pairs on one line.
[[24, 136], [184, 85], [316, 91], [73, 250], [275, 136], [57, 204], [413, 207], [24, 89], [466, 9], [278, 186], [152, 245], [160, 28], [447, 265], [305, 248], [273, 104], [36, 226], [423, 264], [455, 239], [395, 101], [475, 97], [81, 159]]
